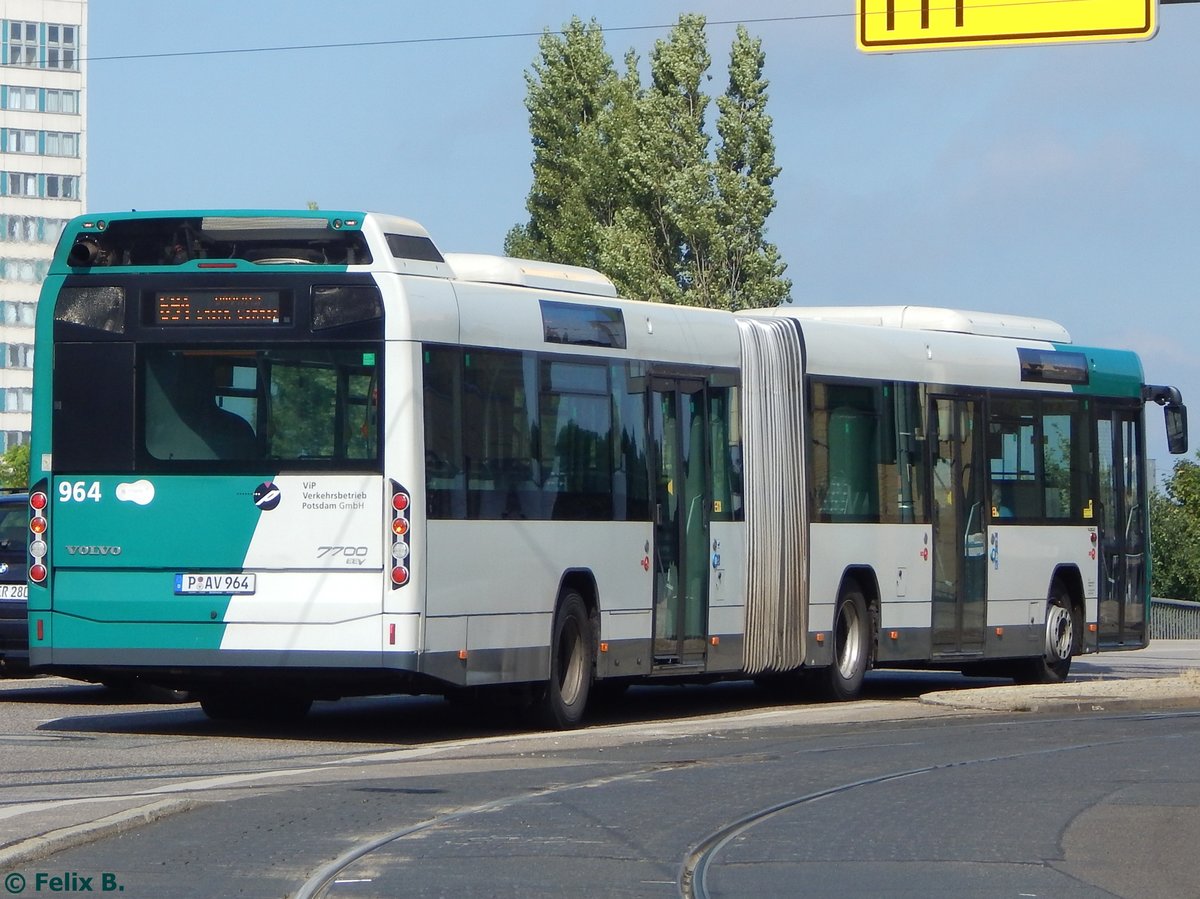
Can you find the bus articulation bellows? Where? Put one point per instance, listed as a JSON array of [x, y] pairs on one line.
[[283, 455]]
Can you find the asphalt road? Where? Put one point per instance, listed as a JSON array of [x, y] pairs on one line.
[[716, 791]]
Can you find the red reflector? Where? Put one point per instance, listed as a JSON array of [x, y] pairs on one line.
[[38, 500], [391, 634], [41, 630], [37, 573], [400, 502], [37, 524], [216, 265], [400, 575], [400, 527]]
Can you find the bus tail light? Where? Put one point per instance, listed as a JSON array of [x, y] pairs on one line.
[[401, 533], [39, 525]]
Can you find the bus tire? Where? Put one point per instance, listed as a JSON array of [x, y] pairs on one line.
[[564, 697], [235, 705], [1064, 630], [843, 679]]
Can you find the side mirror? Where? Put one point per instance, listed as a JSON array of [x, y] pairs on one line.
[[1177, 435]]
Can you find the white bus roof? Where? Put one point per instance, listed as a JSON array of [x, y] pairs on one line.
[[931, 318], [529, 273]]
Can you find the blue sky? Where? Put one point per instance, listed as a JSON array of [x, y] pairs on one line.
[[1061, 181]]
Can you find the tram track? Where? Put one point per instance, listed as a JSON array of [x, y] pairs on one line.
[[693, 878], [693, 870], [326, 876]]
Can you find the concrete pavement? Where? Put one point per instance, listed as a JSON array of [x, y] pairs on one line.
[[1167, 675]]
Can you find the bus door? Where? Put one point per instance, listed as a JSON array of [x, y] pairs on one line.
[[680, 510], [1122, 527], [959, 472]]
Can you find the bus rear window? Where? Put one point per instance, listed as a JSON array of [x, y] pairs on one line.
[[283, 407]]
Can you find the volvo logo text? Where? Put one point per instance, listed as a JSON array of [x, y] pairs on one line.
[[94, 550]]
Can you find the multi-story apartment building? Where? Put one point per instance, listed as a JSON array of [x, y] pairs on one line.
[[43, 153]]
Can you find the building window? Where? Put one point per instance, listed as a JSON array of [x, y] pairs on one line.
[[19, 184], [24, 99], [17, 141], [30, 229], [19, 229], [22, 44], [66, 102], [62, 47], [12, 313], [52, 230], [63, 187], [60, 143], [18, 399], [29, 271], [18, 355], [15, 438]]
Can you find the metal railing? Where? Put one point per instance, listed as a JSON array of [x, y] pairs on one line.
[[1173, 619]]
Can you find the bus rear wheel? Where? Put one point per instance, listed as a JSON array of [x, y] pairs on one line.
[[563, 699], [843, 679]]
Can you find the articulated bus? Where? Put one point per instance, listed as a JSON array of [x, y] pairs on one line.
[[280, 456]]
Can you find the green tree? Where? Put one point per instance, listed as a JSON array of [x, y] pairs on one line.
[[14, 466], [746, 171], [1175, 534], [666, 157], [574, 100], [623, 177]]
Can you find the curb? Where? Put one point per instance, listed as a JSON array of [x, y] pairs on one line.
[[89, 831], [1095, 696]]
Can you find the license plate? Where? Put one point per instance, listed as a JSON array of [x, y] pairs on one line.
[[214, 582], [14, 591]]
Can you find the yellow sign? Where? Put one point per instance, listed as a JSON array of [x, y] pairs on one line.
[[888, 26]]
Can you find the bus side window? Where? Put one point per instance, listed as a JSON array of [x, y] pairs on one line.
[[442, 398]]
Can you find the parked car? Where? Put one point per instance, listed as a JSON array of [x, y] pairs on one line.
[[14, 619]]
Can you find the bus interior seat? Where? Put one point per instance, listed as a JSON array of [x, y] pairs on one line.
[[841, 500]]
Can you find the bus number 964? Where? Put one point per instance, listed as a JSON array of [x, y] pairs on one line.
[[78, 491]]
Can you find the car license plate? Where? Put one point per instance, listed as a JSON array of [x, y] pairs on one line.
[[14, 591], [214, 582]]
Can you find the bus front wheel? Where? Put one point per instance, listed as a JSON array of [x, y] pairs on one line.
[[564, 697], [1064, 629]]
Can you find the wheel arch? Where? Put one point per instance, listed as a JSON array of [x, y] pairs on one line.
[[1072, 580], [583, 582]]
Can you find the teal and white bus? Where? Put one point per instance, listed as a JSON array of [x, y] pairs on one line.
[[280, 456]]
